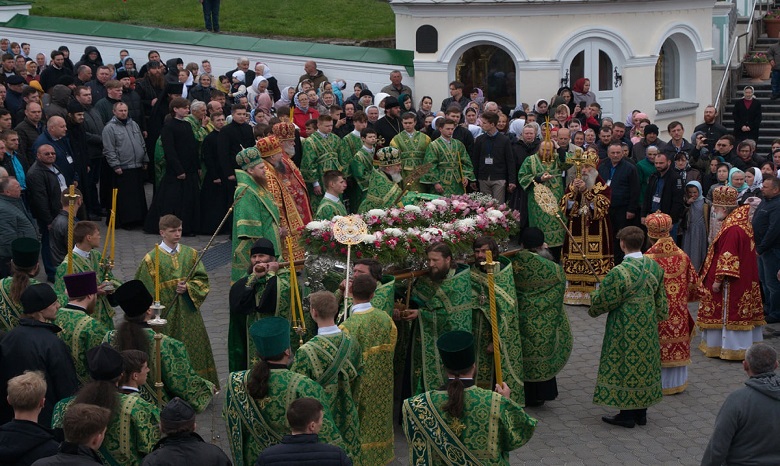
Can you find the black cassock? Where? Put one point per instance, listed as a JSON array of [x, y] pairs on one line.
[[215, 198]]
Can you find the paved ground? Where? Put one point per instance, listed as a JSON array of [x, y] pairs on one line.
[[570, 430]]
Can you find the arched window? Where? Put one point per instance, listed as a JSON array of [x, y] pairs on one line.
[[668, 71], [491, 69]]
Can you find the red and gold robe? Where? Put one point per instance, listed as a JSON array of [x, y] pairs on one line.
[[590, 227], [732, 258], [681, 283], [297, 187], [290, 218]]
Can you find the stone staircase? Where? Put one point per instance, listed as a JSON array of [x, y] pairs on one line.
[[770, 123]]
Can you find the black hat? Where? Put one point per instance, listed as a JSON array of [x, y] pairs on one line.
[[80, 284], [174, 88], [651, 129], [104, 362], [456, 349], [133, 298], [154, 64], [75, 107], [391, 102], [122, 74], [66, 80], [15, 79], [365, 92], [176, 412], [25, 251], [263, 246], [37, 298], [531, 238]]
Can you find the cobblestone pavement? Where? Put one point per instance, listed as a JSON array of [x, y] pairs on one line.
[[570, 430]]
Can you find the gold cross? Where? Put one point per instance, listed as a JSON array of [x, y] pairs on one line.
[[457, 427]]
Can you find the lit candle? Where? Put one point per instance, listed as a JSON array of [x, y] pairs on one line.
[[292, 109], [157, 273], [108, 235]]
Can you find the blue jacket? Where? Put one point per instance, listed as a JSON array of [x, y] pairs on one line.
[[66, 158], [624, 184], [303, 450]]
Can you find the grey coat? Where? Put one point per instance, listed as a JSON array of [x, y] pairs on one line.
[[15, 222], [123, 144]]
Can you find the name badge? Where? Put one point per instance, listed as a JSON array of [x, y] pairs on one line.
[[488, 160], [657, 198], [70, 159]]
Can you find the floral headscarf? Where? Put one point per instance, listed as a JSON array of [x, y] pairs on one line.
[[731, 175], [298, 104]]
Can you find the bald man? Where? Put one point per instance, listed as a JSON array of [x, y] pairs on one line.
[[68, 163]]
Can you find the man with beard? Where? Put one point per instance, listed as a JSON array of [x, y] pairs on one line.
[[452, 170], [290, 219], [215, 199], [255, 215], [51, 74], [711, 128], [545, 331], [233, 138], [125, 153], [510, 344], [389, 125], [293, 179], [441, 302], [587, 203], [544, 167], [322, 151], [150, 86], [730, 314], [411, 145], [383, 182]]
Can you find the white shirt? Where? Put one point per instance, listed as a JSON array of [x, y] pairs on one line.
[[129, 389], [362, 307], [167, 249], [84, 254], [331, 330], [634, 255], [332, 198]]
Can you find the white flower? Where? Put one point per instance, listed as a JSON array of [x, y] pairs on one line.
[[465, 223], [494, 214], [426, 237], [367, 239], [430, 206], [376, 213], [439, 202], [394, 232], [412, 208], [318, 225]]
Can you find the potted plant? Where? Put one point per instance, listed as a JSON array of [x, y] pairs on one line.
[[757, 65], [772, 23]]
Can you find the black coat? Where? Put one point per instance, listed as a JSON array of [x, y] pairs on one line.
[[303, 450], [672, 196], [624, 185], [24, 442], [186, 449], [232, 139], [43, 194], [499, 148], [746, 117], [71, 455], [388, 128], [34, 346], [28, 133]]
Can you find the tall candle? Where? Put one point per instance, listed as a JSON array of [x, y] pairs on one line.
[[157, 273], [112, 223], [292, 109]]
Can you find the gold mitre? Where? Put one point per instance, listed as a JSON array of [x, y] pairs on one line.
[[658, 225], [724, 196]]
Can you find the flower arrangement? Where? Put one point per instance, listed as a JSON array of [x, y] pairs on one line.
[[755, 57], [772, 14], [399, 235]]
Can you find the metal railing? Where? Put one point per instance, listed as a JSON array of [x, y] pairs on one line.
[[750, 41]]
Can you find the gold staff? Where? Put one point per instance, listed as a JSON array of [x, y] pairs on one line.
[[490, 267], [349, 230], [296, 307], [157, 325], [107, 261], [72, 196]]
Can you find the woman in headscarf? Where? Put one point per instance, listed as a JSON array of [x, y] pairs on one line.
[[338, 86], [355, 97], [406, 103], [581, 93], [91, 58], [286, 99], [747, 116], [479, 97], [694, 233], [568, 97], [128, 65], [541, 108], [303, 112], [172, 65], [562, 114], [259, 86], [202, 90], [262, 69], [185, 77], [424, 110], [753, 181]]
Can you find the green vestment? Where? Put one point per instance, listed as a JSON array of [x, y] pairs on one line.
[[375, 331], [451, 163], [534, 167], [10, 310], [491, 427], [183, 313], [633, 294], [360, 168], [329, 209], [200, 132], [544, 326], [178, 376], [160, 164], [254, 425], [444, 306], [383, 300], [510, 343], [255, 216], [80, 332], [321, 154], [381, 193], [412, 150], [335, 362], [104, 312], [131, 434], [352, 142], [645, 169]]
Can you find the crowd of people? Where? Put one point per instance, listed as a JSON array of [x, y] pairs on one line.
[[612, 218]]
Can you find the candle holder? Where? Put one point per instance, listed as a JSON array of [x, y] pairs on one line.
[[157, 321], [301, 331]]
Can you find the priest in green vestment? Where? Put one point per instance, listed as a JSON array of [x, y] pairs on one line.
[[544, 326], [441, 302], [411, 145], [384, 181], [80, 331], [181, 294], [87, 257], [375, 331], [334, 360], [361, 164], [177, 374], [256, 400], [384, 296], [547, 169], [634, 295], [331, 205], [133, 429], [24, 267], [510, 344], [480, 430], [322, 151], [451, 169], [255, 216]]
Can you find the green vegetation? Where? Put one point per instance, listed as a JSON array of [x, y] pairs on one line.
[[313, 19]]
